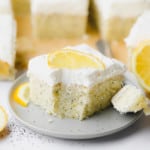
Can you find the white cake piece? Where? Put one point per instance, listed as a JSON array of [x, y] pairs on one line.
[[115, 17], [7, 46], [5, 6], [140, 31], [73, 93], [129, 99], [59, 18]]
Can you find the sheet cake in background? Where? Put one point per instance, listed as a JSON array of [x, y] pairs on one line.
[[114, 18], [7, 41], [59, 18]]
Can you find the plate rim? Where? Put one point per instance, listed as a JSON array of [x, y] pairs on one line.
[[57, 134]]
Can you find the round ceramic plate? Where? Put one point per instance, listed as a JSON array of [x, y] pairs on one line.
[[101, 124]]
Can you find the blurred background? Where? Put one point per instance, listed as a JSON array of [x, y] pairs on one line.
[[86, 15]]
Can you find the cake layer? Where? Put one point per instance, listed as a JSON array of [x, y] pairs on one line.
[[140, 31], [73, 101], [116, 28], [58, 25], [7, 46]]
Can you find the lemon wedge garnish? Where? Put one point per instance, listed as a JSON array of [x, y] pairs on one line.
[[21, 94], [71, 59], [3, 118], [141, 64]]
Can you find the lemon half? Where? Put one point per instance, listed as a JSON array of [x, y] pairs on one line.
[[141, 64]]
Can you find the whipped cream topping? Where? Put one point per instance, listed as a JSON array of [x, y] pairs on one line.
[[7, 39], [122, 8], [5, 6], [140, 31], [73, 7], [39, 69]]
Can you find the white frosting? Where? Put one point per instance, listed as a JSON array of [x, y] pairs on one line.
[[73, 7], [7, 38], [140, 31], [122, 8], [5, 6], [38, 68]]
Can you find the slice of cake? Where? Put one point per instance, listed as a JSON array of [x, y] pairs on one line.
[[7, 46], [129, 99], [59, 18], [5, 6], [114, 18], [75, 82]]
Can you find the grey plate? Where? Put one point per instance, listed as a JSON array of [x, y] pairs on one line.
[[103, 123]]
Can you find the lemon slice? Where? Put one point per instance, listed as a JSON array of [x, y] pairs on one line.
[[141, 64], [71, 59], [21, 94], [3, 118]]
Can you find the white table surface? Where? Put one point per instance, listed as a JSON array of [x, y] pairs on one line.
[[18, 137]]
